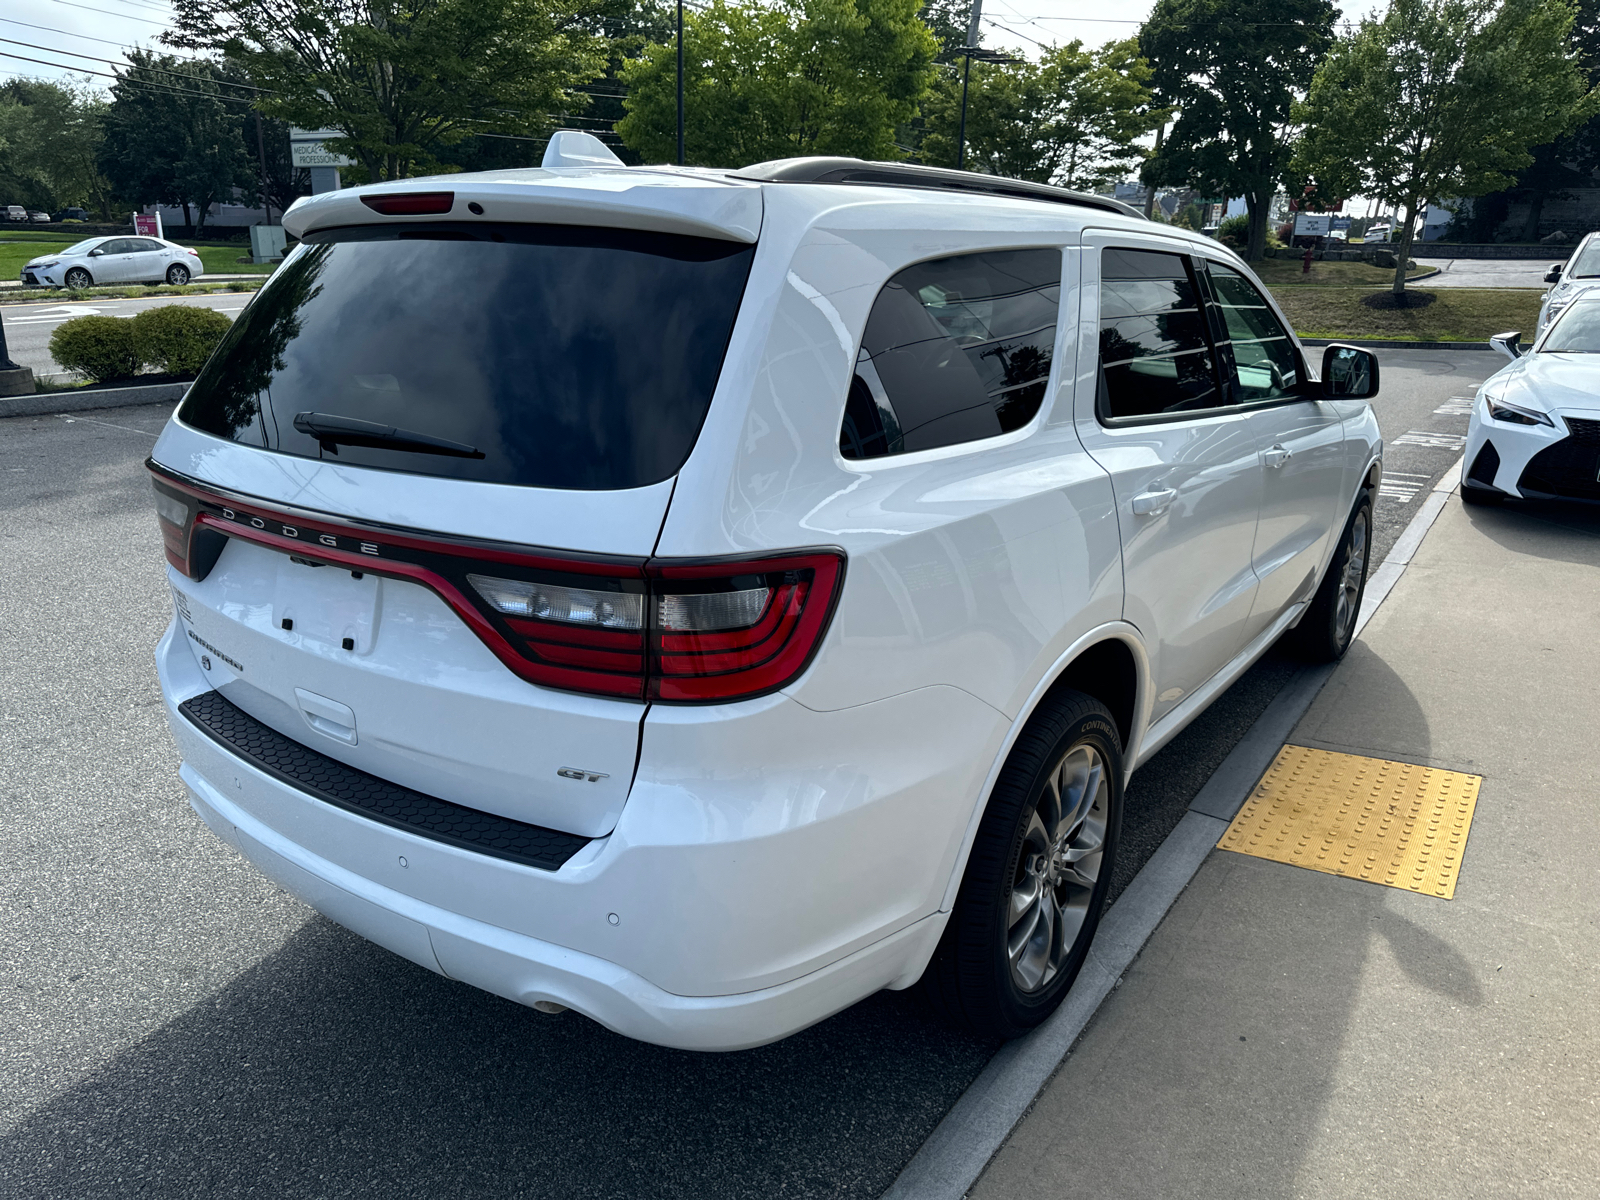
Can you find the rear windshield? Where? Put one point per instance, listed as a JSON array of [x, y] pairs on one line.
[[540, 355]]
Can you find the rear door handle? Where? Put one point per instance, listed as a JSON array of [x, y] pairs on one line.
[[327, 716], [1151, 504], [1276, 456]]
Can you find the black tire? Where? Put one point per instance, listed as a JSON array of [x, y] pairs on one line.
[[975, 980], [1486, 497], [78, 278], [1329, 626], [177, 274]]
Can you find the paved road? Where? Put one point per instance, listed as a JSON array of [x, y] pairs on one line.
[[29, 326], [176, 1026], [1488, 272]]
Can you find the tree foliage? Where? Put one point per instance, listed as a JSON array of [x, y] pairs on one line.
[[1073, 117], [174, 135], [50, 136], [1234, 69], [403, 79], [775, 80], [1441, 99]]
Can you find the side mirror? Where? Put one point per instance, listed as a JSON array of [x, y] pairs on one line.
[[1349, 373], [1507, 343], [96, 252], [1553, 275]]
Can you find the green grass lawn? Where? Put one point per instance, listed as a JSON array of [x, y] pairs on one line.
[[1456, 315], [1286, 272]]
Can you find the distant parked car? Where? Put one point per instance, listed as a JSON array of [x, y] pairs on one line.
[[39, 218], [114, 260], [72, 214], [1579, 274], [14, 212]]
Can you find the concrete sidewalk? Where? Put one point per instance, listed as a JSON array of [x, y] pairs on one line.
[[1287, 1033]]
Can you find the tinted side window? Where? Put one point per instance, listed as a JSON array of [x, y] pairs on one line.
[[955, 350], [1155, 356], [1265, 365], [117, 246], [142, 245]]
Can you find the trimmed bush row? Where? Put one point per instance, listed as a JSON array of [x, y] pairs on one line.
[[174, 339]]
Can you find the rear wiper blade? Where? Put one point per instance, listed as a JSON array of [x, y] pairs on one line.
[[333, 431]]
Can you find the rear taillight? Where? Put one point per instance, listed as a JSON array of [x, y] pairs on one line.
[[727, 630], [664, 630], [410, 204]]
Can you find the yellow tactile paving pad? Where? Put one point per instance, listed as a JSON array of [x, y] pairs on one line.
[[1386, 822]]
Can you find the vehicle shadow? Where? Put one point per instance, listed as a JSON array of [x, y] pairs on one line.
[[1542, 528], [335, 1068]]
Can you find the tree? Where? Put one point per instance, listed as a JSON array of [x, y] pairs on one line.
[[1073, 117], [1440, 99], [50, 136], [1234, 69], [764, 81], [403, 79], [175, 135]]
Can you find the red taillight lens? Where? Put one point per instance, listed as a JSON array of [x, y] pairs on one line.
[[668, 631], [726, 631], [410, 204]]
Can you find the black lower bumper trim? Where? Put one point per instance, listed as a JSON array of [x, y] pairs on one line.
[[333, 782]]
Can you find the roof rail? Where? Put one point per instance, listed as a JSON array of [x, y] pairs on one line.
[[907, 175]]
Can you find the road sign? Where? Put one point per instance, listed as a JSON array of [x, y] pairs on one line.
[[1311, 224], [1339, 223]]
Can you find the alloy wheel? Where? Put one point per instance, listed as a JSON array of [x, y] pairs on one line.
[[177, 275], [1058, 868], [78, 278], [1348, 601]]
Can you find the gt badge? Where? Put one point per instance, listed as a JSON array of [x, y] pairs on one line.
[[582, 776]]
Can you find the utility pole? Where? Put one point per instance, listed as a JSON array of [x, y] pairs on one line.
[[972, 51], [680, 83], [261, 155]]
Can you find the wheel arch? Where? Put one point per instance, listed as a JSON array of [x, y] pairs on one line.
[[1108, 663]]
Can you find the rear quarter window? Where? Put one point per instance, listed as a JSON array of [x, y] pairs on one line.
[[560, 356]]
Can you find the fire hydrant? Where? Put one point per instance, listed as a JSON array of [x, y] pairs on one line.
[[1305, 263]]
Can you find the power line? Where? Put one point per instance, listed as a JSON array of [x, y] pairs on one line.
[[108, 13], [85, 37]]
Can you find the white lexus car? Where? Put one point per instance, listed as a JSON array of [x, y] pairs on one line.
[[700, 599], [1535, 428], [103, 260]]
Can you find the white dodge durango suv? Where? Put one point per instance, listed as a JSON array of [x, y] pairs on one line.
[[701, 599]]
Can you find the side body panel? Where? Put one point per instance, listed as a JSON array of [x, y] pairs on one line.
[[1190, 584]]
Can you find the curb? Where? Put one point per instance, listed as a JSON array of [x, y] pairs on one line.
[[1382, 344], [82, 399], [956, 1153]]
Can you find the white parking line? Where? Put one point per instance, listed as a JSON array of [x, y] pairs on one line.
[[1431, 439], [1456, 406]]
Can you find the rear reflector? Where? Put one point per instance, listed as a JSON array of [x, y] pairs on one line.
[[410, 204], [664, 630]]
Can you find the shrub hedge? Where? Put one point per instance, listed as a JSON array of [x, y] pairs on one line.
[[102, 348], [175, 339]]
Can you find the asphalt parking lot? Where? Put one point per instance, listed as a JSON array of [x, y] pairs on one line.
[[176, 1026]]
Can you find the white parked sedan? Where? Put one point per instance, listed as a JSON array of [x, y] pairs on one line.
[[1535, 428], [101, 260], [1578, 275]]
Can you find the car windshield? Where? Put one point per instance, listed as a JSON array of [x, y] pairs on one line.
[[1576, 331], [83, 247], [1586, 263], [552, 356]]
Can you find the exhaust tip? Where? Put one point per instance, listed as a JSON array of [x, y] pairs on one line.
[[549, 1006]]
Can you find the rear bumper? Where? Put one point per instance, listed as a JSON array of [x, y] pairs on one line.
[[710, 920]]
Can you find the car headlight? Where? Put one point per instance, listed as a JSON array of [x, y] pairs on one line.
[[37, 266], [1515, 414]]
